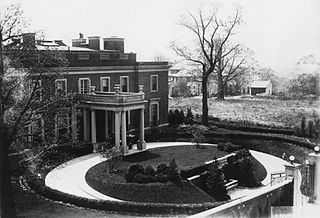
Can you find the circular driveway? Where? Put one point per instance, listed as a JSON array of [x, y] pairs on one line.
[[70, 176]]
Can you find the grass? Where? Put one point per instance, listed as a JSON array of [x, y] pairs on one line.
[[260, 111], [114, 184]]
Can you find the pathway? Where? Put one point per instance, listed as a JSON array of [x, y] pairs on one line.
[[70, 176]]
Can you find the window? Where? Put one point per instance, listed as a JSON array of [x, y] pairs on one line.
[[104, 56], [105, 84], [36, 87], [154, 113], [84, 85], [61, 87], [36, 129], [124, 57], [62, 124], [83, 56], [124, 84], [154, 83]]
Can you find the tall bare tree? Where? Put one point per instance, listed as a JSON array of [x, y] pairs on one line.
[[23, 67], [211, 35]]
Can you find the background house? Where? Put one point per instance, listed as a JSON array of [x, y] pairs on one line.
[[261, 87]]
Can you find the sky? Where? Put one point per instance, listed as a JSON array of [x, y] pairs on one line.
[[279, 32]]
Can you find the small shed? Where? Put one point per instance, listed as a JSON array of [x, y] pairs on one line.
[[261, 87]]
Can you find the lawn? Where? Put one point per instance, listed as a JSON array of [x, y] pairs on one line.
[[114, 184], [282, 113]]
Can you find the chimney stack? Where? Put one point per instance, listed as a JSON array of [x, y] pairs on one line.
[[79, 42], [29, 40], [94, 42], [113, 43]]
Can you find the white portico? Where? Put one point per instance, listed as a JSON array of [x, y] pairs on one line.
[[115, 106]]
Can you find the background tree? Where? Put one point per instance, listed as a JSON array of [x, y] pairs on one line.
[[305, 84], [231, 64], [207, 52]]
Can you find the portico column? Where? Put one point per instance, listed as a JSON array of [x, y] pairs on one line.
[[314, 159], [124, 148], [107, 124], [117, 128], [141, 144], [93, 130], [85, 126]]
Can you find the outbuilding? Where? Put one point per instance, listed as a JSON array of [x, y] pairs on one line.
[[261, 87]]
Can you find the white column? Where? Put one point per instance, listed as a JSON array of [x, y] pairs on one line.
[[124, 148], [107, 124], [314, 159], [85, 126], [117, 128], [93, 127], [141, 144], [292, 171]]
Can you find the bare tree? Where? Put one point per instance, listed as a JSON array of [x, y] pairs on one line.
[[212, 35], [230, 67], [23, 68]]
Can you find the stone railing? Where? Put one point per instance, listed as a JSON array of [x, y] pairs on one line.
[[111, 97]]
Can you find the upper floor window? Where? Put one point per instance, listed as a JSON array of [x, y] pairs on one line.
[[83, 56], [61, 86], [84, 85], [154, 83], [36, 89], [124, 56], [124, 84], [105, 84], [104, 56]]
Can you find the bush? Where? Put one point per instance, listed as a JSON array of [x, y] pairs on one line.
[[173, 174], [228, 147], [189, 117], [150, 171], [162, 169]]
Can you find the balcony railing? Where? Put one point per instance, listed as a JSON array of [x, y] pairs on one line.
[[111, 97]]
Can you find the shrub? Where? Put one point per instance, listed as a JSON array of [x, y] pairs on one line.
[[215, 183], [161, 178], [173, 174], [228, 147], [303, 126], [150, 171], [133, 171], [189, 117], [198, 132], [162, 169]]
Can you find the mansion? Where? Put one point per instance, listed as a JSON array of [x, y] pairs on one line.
[[114, 93]]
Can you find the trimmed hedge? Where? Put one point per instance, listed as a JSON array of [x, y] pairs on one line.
[[264, 136], [125, 207], [251, 128]]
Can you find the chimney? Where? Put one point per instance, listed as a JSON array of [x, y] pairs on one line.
[[29, 40], [113, 43], [79, 42], [94, 42]]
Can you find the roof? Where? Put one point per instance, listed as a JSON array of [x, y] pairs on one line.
[[260, 84], [181, 73]]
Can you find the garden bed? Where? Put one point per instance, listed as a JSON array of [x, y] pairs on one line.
[[187, 157]]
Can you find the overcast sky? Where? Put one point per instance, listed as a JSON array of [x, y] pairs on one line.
[[278, 31]]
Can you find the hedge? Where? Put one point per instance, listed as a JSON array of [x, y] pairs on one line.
[[125, 207], [252, 128]]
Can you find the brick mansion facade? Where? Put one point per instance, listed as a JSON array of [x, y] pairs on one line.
[[115, 94]]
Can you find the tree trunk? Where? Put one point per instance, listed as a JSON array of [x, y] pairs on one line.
[[204, 101], [220, 94], [6, 198]]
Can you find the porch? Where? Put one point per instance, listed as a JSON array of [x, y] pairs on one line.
[[105, 115]]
